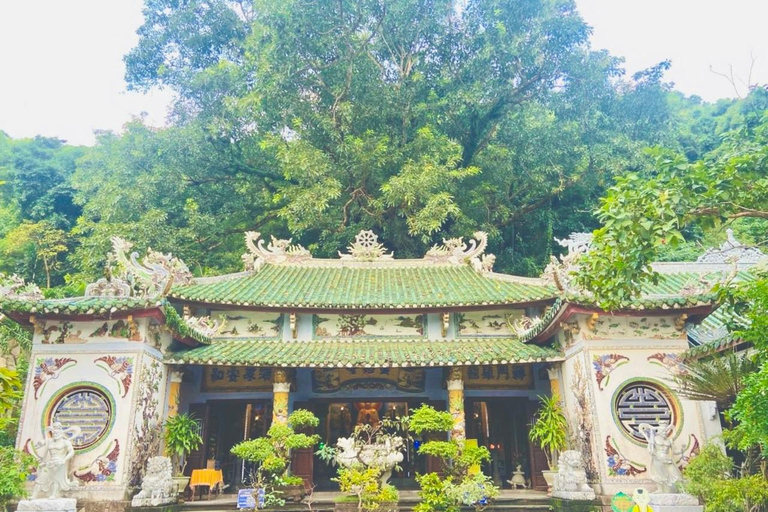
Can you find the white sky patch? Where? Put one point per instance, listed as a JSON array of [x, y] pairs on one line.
[[693, 34], [61, 67]]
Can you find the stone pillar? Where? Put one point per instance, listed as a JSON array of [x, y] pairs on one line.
[[281, 388], [174, 395], [455, 385]]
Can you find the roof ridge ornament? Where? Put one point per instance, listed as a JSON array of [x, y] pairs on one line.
[[731, 251], [366, 247], [277, 251], [12, 286], [455, 251], [559, 271], [154, 275]]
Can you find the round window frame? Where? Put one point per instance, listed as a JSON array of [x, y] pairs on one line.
[[73, 388], [674, 403]]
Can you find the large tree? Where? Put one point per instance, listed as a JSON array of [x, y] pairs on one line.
[[417, 119]]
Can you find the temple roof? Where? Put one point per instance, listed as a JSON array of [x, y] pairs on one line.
[[366, 353], [400, 286]]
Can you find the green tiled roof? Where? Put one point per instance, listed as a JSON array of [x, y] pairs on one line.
[[353, 287], [364, 353], [78, 305], [102, 307]]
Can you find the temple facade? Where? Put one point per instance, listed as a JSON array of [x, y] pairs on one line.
[[356, 339]]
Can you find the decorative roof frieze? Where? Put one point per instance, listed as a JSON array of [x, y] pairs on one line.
[[277, 251], [366, 247], [14, 287], [205, 325], [559, 272]]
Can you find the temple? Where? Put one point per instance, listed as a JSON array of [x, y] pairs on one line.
[[358, 338]]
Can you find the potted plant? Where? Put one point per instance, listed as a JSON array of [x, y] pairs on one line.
[[272, 454], [550, 429], [460, 485], [181, 437], [366, 460]]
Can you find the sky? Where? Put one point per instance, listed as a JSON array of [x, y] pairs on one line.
[[61, 67]]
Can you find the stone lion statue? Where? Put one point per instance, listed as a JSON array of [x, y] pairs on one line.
[[385, 454], [157, 485], [571, 479]]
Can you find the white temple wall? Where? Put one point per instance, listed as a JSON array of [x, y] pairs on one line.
[[617, 374], [106, 378]]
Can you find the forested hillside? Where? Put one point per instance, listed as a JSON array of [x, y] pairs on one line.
[[314, 120]]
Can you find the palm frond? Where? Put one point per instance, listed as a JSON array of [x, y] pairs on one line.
[[719, 378]]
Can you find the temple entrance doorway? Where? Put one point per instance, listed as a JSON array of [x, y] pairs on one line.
[[501, 425], [223, 424]]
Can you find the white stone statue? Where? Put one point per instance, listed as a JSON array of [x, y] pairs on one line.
[[385, 455], [518, 478], [157, 484], [52, 471], [664, 471], [571, 479], [55, 452]]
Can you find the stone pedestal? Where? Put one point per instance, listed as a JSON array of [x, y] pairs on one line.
[[675, 503], [48, 505], [574, 495]]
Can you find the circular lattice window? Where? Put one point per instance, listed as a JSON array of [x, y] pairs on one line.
[[86, 412], [639, 403]]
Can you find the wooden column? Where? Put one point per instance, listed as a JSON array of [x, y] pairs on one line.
[[455, 385], [281, 388]]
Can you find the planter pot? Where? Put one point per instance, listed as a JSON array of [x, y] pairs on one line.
[[181, 483], [293, 493], [549, 476]]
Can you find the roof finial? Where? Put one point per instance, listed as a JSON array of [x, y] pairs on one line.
[[366, 247]]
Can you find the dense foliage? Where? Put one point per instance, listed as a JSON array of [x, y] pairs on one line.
[[420, 120], [181, 437]]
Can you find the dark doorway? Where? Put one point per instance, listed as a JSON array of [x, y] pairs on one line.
[[501, 425]]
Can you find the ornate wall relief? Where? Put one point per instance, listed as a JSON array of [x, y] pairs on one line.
[[486, 323], [373, 326], [618, 465], [605, 364], [674, 363], [85, 407], [582, 431], [146, 431], [120, 369], [249, 324], [48, 368], [103, 467], [614, 327], [643, 402]]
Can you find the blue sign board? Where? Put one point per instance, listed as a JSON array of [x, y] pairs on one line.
[[245, 499]]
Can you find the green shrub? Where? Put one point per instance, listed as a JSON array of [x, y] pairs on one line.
[[709, 477], [14, 470]]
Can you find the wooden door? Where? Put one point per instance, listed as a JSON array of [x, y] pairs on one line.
[[538, 458], [303, 461]]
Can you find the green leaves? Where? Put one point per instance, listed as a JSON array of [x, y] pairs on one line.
[[272, 452], [181, 437], [550, 428]]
